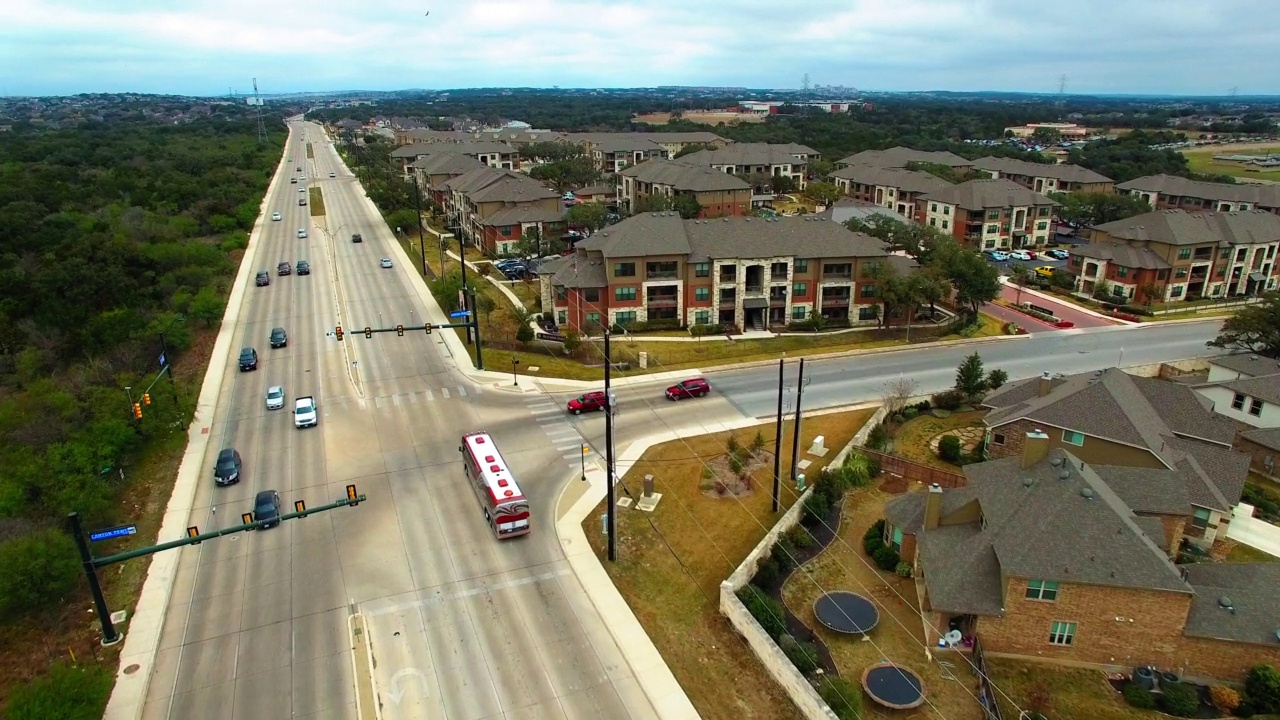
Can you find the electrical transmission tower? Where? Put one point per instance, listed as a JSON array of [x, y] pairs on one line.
[[1232, 92], [257, 100], [1062, 85], [804, 82]]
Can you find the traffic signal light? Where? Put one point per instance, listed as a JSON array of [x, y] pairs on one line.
[[368, 332], [137, 411], [428, 328], [338, 331], [353, 496], [146, 398], [400, 330]]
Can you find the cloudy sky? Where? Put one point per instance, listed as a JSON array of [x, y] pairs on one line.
[[50, 47]]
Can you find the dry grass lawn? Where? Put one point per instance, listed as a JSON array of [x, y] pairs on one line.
[[912, 439], [677, 600], [1074, 692]]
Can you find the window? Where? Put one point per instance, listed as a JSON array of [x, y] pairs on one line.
[[561, 293], [624, 293], [800, 289], [728, 273], [562, 317], [1237, 402], [1042, 590], [797, 312], [1184, 254], [624, 269], [591, 295], [1255, 407], [993, 229], [625, 318], [593, 318], [1044, 212], [1122, 271], [993, 214], [945, 224], [1180, 273], [1062, 633], [702, 317], [702, 269], [1042, 225], [1241, 253], [897, 539], [867, 313], [934, 222], [867, 291], [869, 269], [1200, 518], [702, 294], [1071, 437], [506, 230], [946, 209], [1176, 292], [778, 271], [933, 207], [998, 438]]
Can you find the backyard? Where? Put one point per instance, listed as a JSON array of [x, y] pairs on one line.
[[916, 438], [671, 562]]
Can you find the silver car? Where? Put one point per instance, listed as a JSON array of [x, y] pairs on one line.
[[275, 397]]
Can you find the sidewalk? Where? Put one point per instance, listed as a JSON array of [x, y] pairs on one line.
[[1064, 302]]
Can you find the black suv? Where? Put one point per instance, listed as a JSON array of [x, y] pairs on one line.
[[283, 269], [248, 359], [278, 338], [304, 267], [355, 237], [264, 278], [226, 469], [266, 509]]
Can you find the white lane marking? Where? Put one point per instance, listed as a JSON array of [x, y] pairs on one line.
[[378, 402], [413, 398], [563, 448], [479, 390], [462, 392], [554, 420], [544, 411], [571, 456], [431, 397], [395, 399], [445, 393], [440, 598]]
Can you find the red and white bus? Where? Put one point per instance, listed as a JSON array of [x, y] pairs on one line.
[[505, 508]]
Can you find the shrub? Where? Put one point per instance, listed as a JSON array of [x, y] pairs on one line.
[[67, 692], [1139, 697], [886, 559], [878, 438], [816, 509], [898, 418], [842, 696], [949, 448], [735, 465], [1179, 700], [997, 378], [1135, 310], [1266, 504], [923, 406], [732, 444], [873, 468], [1262, 686], [37, 571], [910, 412], [903, 570], [801, 654], [800, 538], [766, 610], [1224, 698], [768, 575], [875, 531], [757, 442], [949, 400], [783, 554]]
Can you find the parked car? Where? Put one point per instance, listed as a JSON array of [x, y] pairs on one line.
[[248, 359], [303, 267], [1019, 255], [385, 262], [507, 262], [264, 278], [998, 255], [587, 403], [226, 469], [304, 412], [1045, 271], [284, 268], [266, 509], [279, 338], [693, 387], [275, 397], [275, 216], [293, 181], [1057, 254]]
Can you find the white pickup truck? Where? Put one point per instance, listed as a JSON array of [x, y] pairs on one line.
[[304, 412]]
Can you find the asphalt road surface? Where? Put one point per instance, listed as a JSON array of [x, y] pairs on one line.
[[462, 626]]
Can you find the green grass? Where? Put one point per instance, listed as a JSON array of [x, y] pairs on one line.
[[310, 153], [316, 201], [912, 439], [1201, 161], [1245, 554]]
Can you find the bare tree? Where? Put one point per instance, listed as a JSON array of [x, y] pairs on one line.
[[896, 393]]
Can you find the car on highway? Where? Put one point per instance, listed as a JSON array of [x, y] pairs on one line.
[[299, 168], [302, 201], [693, 387], [293, 181], [275, 217], [302, 190], [304, 412], [303, 267], [226, 469], [263, 278], [333, 175], [385, 262], [355, 238], [1019, 255], [275, 397], [1045, 271], [284, 268], [248, 359], [302, 232], [279, 338], [266, 509], [997, 255], [1057, 254], [587, 403]]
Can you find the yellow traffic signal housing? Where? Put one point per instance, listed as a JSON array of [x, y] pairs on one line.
[[368, 332], [137, 411], [338, 331], [352, 495], [146, 398], [428, 328]]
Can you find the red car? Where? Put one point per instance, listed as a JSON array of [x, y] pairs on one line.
[[695, 387], [586, 403]]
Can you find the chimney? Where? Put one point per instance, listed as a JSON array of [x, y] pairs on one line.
[[1035, 448], [1044, 385], [933, 507]]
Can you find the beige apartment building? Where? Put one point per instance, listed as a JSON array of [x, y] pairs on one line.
[[760, 159], [496, 155], [989, 214], [492, 209], [1169, 192], [1046, 177], [718, 193], [892, 188]]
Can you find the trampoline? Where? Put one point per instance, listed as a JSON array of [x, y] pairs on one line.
[[893, 686], [846, 612]]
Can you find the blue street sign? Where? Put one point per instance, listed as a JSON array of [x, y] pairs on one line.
[[460, 313], [161, 359], [115, 532]]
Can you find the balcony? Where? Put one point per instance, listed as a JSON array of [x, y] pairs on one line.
[[835, 301], [660, 301], [661, 275], [847, 275], [753, 291]]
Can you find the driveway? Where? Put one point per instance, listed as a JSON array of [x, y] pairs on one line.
[[1061, 310]]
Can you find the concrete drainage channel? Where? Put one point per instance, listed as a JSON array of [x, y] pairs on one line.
[[368, 705]]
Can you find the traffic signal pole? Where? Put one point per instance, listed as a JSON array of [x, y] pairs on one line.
[[473, 324]]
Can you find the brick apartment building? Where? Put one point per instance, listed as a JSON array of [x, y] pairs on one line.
[[739, 271], [1169, 192], [1180, 255], [900, 157], [435, 170], [615, 151], [892, 188], [1046, 177], [718, 193], [496, 155], [989, 214], [759, 159], [492, 209]]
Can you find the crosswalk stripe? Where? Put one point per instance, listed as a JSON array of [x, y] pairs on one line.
[[462, 392], [395, 399], [571, 456], [430, 396], [445, 392], [413, 397], [479, 390], [377, 402], [544, 411], [563, 448]]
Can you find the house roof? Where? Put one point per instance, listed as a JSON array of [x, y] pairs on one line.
[[988, 193], [1253, 615], [577, 270], [1247, 364], [1179, 227], [486, 184], [1148, 490], [665, 233], [522, 214], [446, 164], [684, 176], [657, 137], [591, 190], [754, 154], [457, 148], [1122, 254], [1058, 171], [1268, 195], [899, 157], [847, 208], [627, 143], [1266, 437], [1266, 387], [906, 180]]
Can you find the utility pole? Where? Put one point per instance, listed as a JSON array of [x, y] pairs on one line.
[[609, 409], [165, 364], [110, 636], [777, 442], [470, 295], [795, 432], [422, 243]]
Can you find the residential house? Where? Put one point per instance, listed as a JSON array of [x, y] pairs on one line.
[[989, 214], [1209, 254], [900, 157], [1046, 177], [768, 160], [1113, 418], [607, 194], [893, 188], [1049, 557], [439, 168], [495, 155], [733, 271], [1178, 193], [1134, 275], [1245, 388], [492, 209], [718, 193]]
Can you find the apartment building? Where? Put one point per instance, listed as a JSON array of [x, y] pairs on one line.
[[989, 214], [1169, 192], [900, 157], [607, 194], [495, 155], [672, 143], [718, 193], [1046, 177], [892, 188], [760, 159], [734, 271], [1196, 254], [439, 168], [516, 137], [492, 209]]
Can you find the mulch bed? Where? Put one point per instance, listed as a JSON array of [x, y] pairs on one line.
[[894, 485], [1206, 712]]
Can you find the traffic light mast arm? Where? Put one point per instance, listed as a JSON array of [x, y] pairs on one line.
[[400, 329]]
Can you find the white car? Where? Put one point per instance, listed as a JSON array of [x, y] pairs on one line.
[[333, 175], [275, 216], [302, 232], [1019, 255], [386, 262], [275, 397], [304, 412]]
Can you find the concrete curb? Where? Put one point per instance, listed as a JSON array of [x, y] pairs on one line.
[[1067, 303], [128, 697]]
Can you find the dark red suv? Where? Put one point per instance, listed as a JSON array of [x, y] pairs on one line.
[[587, 403], [694, 387]]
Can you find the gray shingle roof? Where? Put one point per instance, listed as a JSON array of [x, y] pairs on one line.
[[990, 193], [1179, 227], [522, 214], [754, 154], [575, 271], [1247, 364], [628, 143], [591, 190], [1266, 437], [485, 184], [446, 163], [907, 180], [899, 157], [1216, 478], [1251, 589], [1265, 388], [1148, 490], [1268, 195], [1058, 171], [684, 176], [1122, 254], [464, 148]]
